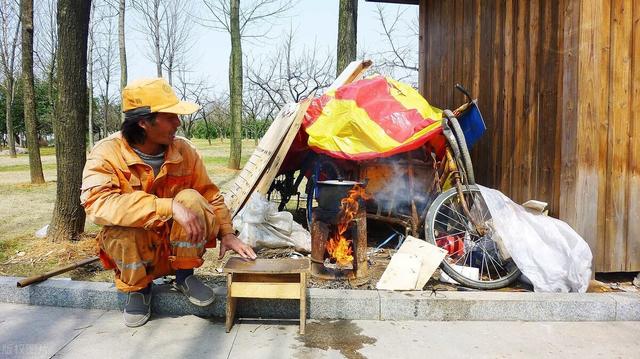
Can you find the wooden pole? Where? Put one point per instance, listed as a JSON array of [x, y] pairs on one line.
[[41, 277]]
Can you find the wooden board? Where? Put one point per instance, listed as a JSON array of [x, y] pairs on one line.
[[412, 266], [279, 266], [265, 290], [264, 183], [352, 72], [262, 156]]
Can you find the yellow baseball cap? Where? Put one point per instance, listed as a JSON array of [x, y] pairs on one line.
[[156, 94]]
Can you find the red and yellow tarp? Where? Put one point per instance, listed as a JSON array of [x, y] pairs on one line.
[[370, 118]]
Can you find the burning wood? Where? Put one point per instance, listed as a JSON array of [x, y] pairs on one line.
[[339, 247]]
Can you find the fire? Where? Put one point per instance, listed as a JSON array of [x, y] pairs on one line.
[[339, 247]]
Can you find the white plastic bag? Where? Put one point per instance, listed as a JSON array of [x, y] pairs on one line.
[[547, 250], [261, 225]]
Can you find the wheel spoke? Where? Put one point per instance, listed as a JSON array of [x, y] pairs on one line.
[[447, 224], [453, 219], [460, 216]]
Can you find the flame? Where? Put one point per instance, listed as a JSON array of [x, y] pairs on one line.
[[338, 247]]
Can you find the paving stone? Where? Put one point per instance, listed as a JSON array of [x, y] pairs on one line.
[[627, 305], [343, 304], [495, 306]]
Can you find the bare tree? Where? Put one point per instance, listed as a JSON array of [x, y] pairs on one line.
[[194, 91], [90, 61], [123, 51], [68, 217], [46, 46], [106, 58], [400, 59], [168, 26], [152, 15], [289, 76], [10, 26], [31, 123], [347, 34], [250, 21]]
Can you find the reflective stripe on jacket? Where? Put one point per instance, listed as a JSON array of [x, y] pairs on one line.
[[119, 189]]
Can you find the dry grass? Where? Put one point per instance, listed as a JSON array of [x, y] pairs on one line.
[[25, 208]]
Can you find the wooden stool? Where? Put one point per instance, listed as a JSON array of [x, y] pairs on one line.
[[284, 278]]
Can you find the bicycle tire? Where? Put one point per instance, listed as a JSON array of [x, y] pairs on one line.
[[433, 228], [462, 146]]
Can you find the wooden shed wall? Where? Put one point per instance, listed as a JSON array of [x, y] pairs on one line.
[[558, 84]]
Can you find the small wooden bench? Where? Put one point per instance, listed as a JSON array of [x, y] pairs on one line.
[[284, 278]]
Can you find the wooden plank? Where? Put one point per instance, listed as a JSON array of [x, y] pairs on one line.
[[230, 305], [507, 95], [261, 265], [253, 170], [587, 129], [478, 14], [431, 256], [303, 302], [458, 48], [270, 173], [353, 72], [633, 186], [495, 119], [423, 48], [265, 290], [520, 136], [603, 42], [569, 139], [556, 102], [267, 277], [616, 219], [530, 160]]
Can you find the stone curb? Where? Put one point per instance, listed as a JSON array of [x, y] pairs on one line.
[[348, 304]]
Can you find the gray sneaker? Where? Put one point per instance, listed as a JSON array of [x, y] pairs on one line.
[[197, 292], [137, 309]]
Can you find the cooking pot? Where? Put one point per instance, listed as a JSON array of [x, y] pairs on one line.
[[330, 193]]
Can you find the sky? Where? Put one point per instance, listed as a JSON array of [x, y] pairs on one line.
[[313, 22]]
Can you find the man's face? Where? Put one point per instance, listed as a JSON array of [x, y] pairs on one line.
[[163, 130]]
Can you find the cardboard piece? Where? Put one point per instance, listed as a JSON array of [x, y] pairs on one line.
[[407, 273], [469, 272]]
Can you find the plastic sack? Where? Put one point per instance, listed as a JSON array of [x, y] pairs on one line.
[[261, 225], [546, 250]]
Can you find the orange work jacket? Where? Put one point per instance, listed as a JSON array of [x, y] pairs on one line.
[[119, 189]]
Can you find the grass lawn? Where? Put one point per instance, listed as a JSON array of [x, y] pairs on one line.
[[25, 208]]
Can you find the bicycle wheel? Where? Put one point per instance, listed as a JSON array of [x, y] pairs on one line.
[[473, 260]]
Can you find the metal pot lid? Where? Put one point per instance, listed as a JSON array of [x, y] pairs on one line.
[[339, 183]]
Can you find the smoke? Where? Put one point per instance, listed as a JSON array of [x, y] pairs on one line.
[[390, 186]]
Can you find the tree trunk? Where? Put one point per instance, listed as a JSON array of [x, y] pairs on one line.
[[8, 100], [123, 53], [70, 123], [156, 40], [90, 88], [347, 34], [106, 108], [235, 86], [31, 123]]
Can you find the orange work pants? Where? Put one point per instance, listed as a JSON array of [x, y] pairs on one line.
[[138, 255]]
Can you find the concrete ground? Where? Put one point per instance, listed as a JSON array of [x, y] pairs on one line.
[[28, 331]]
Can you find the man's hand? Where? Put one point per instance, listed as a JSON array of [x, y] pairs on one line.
[[231, 242], [189, 221]]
